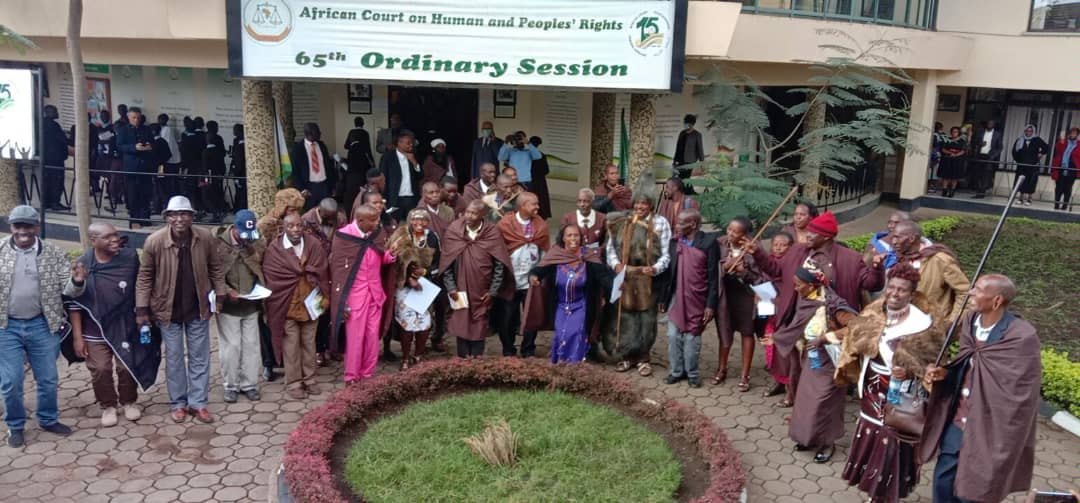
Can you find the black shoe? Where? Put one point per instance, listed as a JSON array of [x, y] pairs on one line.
[[776, 389], [15, 439], [801, 448], [695, 383], [389, 356], [1057, 206], [58, 429], [230, 395], [979, 196], [824, 455], [670, 379], [269, 374], [252, 394]]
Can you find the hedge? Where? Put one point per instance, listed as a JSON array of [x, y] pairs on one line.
[[1061, 380], [933, 229], [307, 466]]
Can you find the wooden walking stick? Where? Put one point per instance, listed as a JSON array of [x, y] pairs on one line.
[[978, 270], [623, 258], [761, 230]]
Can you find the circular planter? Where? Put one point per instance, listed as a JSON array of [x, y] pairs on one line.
[[307, 466]]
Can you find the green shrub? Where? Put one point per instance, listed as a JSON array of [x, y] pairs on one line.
[[933, 229], [1061, 380]]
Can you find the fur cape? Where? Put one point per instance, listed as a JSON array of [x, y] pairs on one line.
[[409, 255], [644, 250], [913, 353]]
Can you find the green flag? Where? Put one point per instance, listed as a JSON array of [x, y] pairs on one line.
[[624, 145], [283, 153]]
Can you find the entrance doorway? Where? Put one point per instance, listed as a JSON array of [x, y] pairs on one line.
[[439, 112]]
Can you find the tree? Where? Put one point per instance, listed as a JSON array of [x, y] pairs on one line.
[[82, 139], [856, 88], [18, 42]]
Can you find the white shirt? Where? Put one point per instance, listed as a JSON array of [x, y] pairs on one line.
[[585, 222], [988, 139], [473, 233], [297, 249], [524, 258], [663, 231], [406, 175], [314, 177], [174, 148], [483, 187], [982, 334]]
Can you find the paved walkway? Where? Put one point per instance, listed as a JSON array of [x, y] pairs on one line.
[[156, 460]]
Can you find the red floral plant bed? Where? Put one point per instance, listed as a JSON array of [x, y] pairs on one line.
[[307, 452]]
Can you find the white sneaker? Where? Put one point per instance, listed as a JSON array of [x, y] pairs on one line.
[[132, 412], [108, 417]]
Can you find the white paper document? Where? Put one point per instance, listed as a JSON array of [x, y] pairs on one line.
[[461, 303], [420, 300], [616, 286], [213, 301], [259, 292], [766, 309], [313, 303], [765, 292]]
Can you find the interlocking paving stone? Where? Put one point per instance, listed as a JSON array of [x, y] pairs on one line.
[[156, 460]]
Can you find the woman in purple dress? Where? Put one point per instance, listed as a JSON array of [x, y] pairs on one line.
[[895, 337], [565, 289]]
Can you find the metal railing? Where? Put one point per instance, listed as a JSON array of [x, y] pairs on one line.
[[920, 14], [858, 184], [1006, 183], [212, 195]]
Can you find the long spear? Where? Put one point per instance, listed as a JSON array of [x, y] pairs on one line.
[[761, 230], [978, 270]]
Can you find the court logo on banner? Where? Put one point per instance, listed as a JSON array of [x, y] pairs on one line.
[[267, 21], [650, 33]]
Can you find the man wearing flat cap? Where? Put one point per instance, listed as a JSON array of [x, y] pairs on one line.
[[179, 271], [33, 276]]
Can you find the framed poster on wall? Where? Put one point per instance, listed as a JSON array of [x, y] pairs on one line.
[[98, 98], [505, 103], [359, 98]]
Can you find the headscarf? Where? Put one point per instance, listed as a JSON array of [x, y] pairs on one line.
[[1024, 138]]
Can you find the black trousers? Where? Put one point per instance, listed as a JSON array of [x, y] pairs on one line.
[[945, 470], [266, 345], [509, 324], [53, 180], [683, 174], [318, 191], [1063, 187], [404, 206], [322, 335], [138, 191], [467, 348], [982, 174]]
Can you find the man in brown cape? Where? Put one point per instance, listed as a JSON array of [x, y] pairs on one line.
[[941, 279], [439, 214], [675, 200], [612, 195], [504, 200], [982, 409], [294, 265], [593, 224], [527, 238], [474, 262], [481, 186], [452, 196]]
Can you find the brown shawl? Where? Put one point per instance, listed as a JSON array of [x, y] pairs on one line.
[[862, 337], [475, 265], [998, 450], [591, 235], [472, 191], [283, 272], [535, 315], [622, 201], [513, 233]]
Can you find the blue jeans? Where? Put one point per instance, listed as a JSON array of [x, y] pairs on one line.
[[31, 340], [948, 461], [187, 382], [684, 350]]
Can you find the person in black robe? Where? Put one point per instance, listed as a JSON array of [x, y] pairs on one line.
[[104, 327], [540, 170], [358, 144], [1028, 151], [213, 158]]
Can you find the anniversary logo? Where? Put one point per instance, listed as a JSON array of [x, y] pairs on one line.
[[612, 43]]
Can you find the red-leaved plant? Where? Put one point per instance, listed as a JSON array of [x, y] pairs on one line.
[[307, 466]]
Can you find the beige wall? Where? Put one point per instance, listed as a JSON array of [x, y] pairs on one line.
[[123, 19], [950, 119], [994, 17]]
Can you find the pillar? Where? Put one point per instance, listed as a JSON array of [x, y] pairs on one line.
[[603, 135], [642, 142], [283, 107], [9, 190], [260, 140], [916, 161], [810, 169]]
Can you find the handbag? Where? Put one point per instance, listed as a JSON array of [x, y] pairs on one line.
[[908, 417]]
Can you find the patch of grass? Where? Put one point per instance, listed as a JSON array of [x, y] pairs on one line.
[[1042, 258], [570, 450]]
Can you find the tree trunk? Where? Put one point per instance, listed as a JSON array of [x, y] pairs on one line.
[[283, 104], [642, 144], [603, 135], [260, 138], [82, 138]]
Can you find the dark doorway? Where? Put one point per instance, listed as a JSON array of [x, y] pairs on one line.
[[439, 112]]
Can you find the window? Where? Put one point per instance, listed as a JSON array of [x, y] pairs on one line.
[[911, 13], [1055, 15]]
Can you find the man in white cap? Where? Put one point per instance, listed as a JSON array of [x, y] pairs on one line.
[[179, 272], [241, 254], [439, 164], [33, 275]]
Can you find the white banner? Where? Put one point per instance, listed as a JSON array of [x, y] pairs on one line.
[[598, 44], [17, 113]]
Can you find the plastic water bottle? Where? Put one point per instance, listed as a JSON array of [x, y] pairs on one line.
[[144, 334], [814, 355], [893, 396]]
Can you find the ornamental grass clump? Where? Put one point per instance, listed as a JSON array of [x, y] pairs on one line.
[[496, 444]]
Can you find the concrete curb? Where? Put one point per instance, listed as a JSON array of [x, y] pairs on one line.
[[1060, 417]]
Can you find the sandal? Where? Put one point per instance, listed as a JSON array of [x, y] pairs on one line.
[[719, 377], [744, 384], [774, 390], [622, 366], [785, 403], [644, 369]]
